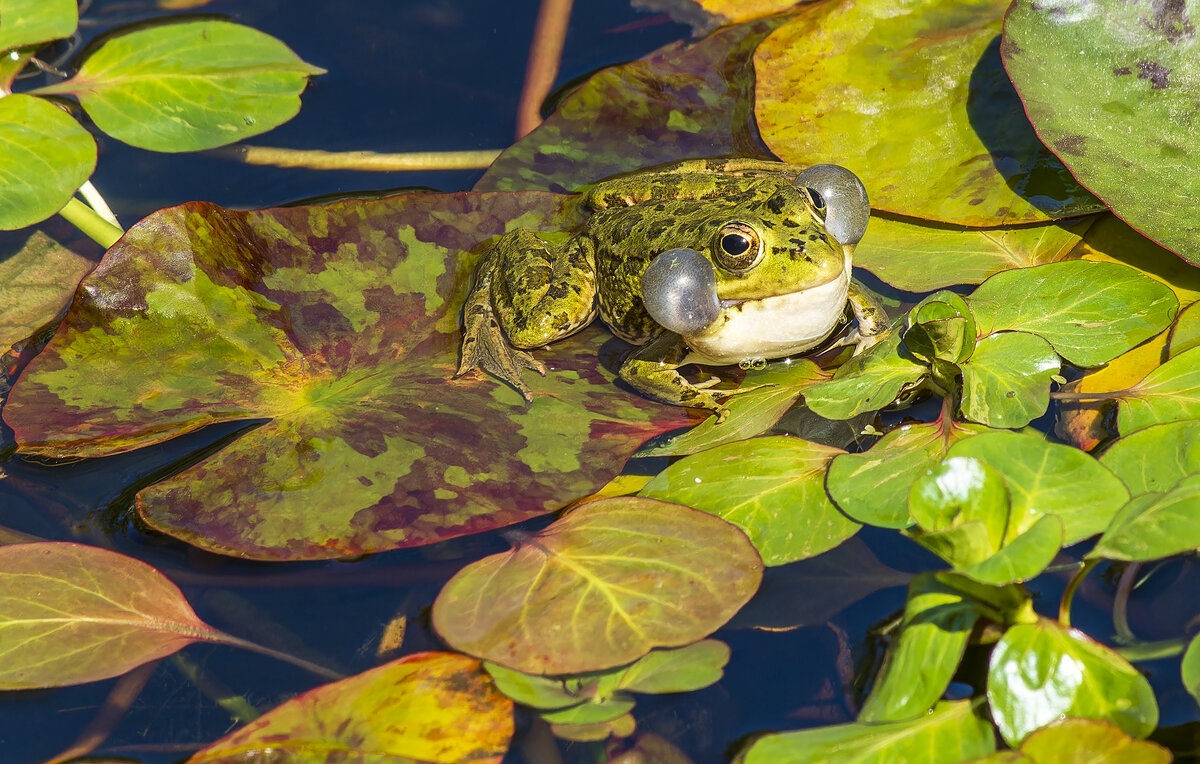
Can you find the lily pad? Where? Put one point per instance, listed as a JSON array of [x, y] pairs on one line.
[[1154, 459], [1092, 79], [1089, 312], [1153, 526], [46, 156], [772, 488], [600, 588], [337, 325], [1040, 672], [399, 711], [1006, 381], [27, 22], [917, 104]]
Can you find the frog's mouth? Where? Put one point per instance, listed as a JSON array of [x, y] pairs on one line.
[[772, 327]]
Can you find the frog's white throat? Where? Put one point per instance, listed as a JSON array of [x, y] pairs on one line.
[[773, 327]]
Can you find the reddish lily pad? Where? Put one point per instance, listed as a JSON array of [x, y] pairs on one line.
[[400, 711], [338, 325], [601, 587]]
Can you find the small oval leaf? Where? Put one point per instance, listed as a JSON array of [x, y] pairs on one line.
[[45, 155]]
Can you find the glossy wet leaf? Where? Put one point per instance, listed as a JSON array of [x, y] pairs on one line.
[[1138, 67], [36, 283], [338, 325], [921, 662], [950, 733], [960, 490], [750, 413], [1153, 525], [1049, 478], [71, 614], [684, 100], [26, 22], [1039, 672], [1090, 312], [917, 104], [601, 587], [866, 382], [189, 86], [772, 488], [1023, 558], [921, 258], [1086, 741], [1006, 382], [872, 487], [1170, 393], [400, 711], [1156, 458], [45, 155], [941, 328]]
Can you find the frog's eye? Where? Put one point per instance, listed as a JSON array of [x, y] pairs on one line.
[[738, 247], [818, 201]]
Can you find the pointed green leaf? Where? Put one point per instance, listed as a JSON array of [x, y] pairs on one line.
[[1089, 312], [867, 382], [772, 488], [601, 587], [1006, 382], [596, 711], [1040, 672], [1153, 526], [535, 691], [1157, 457], [189, 86], [27, 22], [682, 669], [1086, 741], [45, 156], [1170, 393]]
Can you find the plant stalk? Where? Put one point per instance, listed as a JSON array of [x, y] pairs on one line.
[[91, 223], [1064, 607]]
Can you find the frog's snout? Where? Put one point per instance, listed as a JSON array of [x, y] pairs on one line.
[[679, 290]]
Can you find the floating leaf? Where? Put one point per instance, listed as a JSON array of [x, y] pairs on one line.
[[1170, 393], [1092, 78], [948, 734], [1021, 559], [941, 328], [1040, 672], [1006, 382], [750, 413], [1049, 478], [1190, 668], [680, 670], [917, 104], [601, 587], [36, 283], [920, 664], [400, 711], [1086, 423], [1153, 526], [1089, 312], [682, 101], [1090, 741], [71, 614], [867, 382], [189, 86], [336, 324], [961, 490], [872, 487], [771, 488], [1111, 240], [27, 22], [45, 155], [1156, 458], [622, 726], [598, 711], [921, 258]]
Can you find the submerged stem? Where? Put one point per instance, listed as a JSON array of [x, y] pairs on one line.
[[321, 671], [1064, 607], [91, 223]]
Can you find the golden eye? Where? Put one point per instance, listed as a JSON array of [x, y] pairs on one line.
[[738, 247]]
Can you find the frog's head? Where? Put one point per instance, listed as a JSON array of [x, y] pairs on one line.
[[774, 279]]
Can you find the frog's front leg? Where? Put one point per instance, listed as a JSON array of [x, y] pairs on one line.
[[869, 314], [526, 294], [653, 370]]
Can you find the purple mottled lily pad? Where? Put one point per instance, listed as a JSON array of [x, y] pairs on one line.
[[338, 325]]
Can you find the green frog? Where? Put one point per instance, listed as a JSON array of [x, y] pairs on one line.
[[709, 261]]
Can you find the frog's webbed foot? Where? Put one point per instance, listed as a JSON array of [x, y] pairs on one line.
[[485, 347], [653, 370], [872, 323]]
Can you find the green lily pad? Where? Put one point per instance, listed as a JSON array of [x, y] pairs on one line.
[[1040, 672], [189, 86], [917, 104], [1090, 312], [1153, 525], [685, 100], [28, 22], [1090, 741], [1006, 381], [1092, 81], [867, 382], [338, 325], [600, 588], [1156, 458], [1170, 393], [1049, 478], [46, 156], [772, 488], [921, 258], [872, 487], [920, 664], [949, 733]]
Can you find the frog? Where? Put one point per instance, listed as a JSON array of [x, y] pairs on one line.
[[705, 261]]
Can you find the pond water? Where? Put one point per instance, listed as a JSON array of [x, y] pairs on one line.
[[403, 76]]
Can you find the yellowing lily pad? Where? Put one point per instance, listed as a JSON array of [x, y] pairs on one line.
[[338, 326], [600, 588]]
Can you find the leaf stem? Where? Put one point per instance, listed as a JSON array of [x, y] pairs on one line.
[[91, 223], [1060, 395], [361, 160], [1149, 651], [321, 671], [1064, 606], [92, 196]]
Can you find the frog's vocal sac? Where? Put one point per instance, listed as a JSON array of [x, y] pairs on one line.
[[710, 261]]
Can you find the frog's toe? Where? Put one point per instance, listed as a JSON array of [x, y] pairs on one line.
[[527, 361], [491, 353]]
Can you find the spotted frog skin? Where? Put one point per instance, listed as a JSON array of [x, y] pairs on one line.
[[782, 279]]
